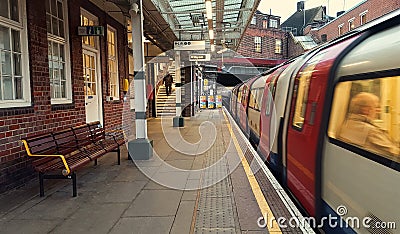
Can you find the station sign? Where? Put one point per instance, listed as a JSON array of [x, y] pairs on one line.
[[199, 57], [189, 45], [90, 31]]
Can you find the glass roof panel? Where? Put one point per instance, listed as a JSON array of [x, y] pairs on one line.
[[188, 19]]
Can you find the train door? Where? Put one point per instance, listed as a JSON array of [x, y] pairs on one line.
[[268, 115], [305, 123], [244, 121], [233, 104], [243, 106], [239, 106]]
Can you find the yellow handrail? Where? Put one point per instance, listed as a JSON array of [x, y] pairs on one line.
[[65, 172]]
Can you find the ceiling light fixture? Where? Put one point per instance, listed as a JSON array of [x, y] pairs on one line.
[[210, 22]]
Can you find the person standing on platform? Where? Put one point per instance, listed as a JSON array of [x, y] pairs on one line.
[[168, 80]]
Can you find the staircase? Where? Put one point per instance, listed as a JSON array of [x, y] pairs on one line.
[[166, 104]]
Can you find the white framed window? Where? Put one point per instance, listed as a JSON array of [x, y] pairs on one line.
[[58, 51], [14, 60], [363, 17], [340, 29], [88, 19], [257, 44], [254, 20], [273, 23], [112, 61], [351, 24], [278, 46]]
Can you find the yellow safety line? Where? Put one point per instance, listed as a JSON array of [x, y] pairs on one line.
[[255, 187]]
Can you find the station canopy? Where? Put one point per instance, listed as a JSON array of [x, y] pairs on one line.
[[166, 21]]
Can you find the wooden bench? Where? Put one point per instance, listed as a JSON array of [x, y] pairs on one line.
[[58, 155]]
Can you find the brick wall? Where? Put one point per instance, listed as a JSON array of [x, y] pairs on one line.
[[268, 39], [17, 123], [375, 8], [294, 48]]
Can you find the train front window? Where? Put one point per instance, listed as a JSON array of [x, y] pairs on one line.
[[366, 114]]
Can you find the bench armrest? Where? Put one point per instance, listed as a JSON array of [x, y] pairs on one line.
[[65, 172]]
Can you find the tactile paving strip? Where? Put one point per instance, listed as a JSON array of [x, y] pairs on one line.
[[216, 206]]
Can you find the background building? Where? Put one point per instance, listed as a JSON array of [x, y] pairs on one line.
[[360, 14], [264, 38]]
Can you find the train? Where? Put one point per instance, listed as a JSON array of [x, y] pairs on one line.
[[301, 117]]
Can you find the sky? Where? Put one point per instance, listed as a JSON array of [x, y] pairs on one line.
[[285, 8]]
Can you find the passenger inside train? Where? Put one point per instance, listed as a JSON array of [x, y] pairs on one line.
[[359, 129]]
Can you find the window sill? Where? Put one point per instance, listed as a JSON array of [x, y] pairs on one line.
[[60, 101], [14, 104]]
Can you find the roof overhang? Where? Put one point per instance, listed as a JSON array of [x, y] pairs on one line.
[[166, 21]]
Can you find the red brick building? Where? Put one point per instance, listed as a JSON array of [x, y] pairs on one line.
[[51, 78], [360, 14], [263, 38]]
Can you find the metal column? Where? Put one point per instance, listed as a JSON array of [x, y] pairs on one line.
[[178, 121], [141, 147]]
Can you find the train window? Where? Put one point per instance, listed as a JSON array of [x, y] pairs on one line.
[[244, 96], [252, 99], [239, 96], [259, 98], [302, 85], [255, 99], [269, 100], [366, 114]]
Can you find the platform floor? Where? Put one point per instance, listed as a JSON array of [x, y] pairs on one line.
[[198, 181]]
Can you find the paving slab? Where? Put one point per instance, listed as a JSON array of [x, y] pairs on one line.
[[119, 192], [184, 216], [143, 225], [92, 218], [28, 226], [155, 203]]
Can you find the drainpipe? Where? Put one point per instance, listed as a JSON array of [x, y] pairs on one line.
[[141, 147]]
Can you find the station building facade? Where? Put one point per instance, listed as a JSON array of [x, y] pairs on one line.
[[51, 78]]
